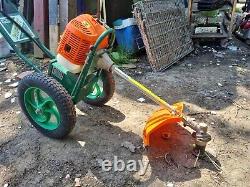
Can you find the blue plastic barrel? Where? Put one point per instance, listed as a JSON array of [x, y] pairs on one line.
[[128, 35]]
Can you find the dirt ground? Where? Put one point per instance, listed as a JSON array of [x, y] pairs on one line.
[[215, 86]]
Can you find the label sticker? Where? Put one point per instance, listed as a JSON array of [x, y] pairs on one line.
[[86, 24]]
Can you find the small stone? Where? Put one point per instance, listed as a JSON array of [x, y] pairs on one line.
[[220, 85], [12, 66], [3, 61], [13, 100], [67, 176], [129, 146], [3, 69], [8, 81], [82, 143], [213, 112], [232, 48], [219, 55], [7, 95], [191, 119], [78, 175], [243, 59], [141, 100], [6, 185], [170, 184], [218, 64], [77, 182], [14, 85]]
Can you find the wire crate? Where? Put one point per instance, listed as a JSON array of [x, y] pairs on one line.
[[165, 33]]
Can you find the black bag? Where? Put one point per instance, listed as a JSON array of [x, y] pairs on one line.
[[208, 5]]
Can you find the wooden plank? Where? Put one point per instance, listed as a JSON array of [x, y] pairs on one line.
[[67, 11], [28, 12], [190, 8], [53, 25], [232, 19], [41, 24]]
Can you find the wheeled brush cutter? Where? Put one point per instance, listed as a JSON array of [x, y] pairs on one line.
[[82, 71]]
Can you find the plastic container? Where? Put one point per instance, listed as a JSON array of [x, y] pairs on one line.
[[73, 68], [128, 35], [4, 47]]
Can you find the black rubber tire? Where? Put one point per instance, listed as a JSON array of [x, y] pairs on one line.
[[108, 89], [59, 95]]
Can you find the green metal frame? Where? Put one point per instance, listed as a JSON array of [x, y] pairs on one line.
[[76, 94], [28, 32], [79, 85], [76, 85]]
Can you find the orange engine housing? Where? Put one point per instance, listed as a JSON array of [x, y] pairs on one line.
[[80, 34]]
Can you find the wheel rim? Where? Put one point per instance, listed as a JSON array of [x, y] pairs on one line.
[[97, 90], [42, 108]]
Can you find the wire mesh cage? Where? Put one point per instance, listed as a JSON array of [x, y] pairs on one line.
[[165, 33]]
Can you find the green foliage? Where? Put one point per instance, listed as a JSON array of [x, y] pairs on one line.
[[120, 56]]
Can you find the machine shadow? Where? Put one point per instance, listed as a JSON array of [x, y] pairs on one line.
[[169, 159], [172, 156], [40, 160], [202, 80]]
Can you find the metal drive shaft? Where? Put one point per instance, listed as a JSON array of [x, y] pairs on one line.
[[202, 137]]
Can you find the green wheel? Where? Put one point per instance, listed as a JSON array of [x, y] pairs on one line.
[[47, 105], [102, 89]]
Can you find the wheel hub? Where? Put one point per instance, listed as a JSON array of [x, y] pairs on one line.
[[39, 111], [42, 108]]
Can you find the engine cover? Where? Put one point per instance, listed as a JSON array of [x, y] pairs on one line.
[[80, 34]]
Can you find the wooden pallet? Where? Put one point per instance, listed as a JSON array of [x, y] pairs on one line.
[[51, 18], [225, 33]]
